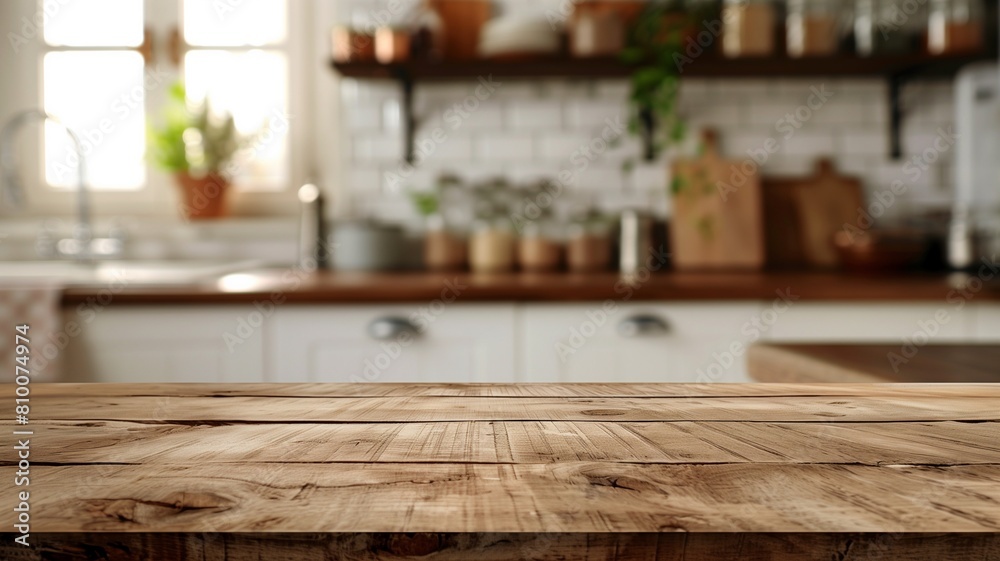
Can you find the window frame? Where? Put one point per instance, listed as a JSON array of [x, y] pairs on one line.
[[159, 196]]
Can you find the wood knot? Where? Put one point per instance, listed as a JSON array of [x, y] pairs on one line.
[[603, 412]]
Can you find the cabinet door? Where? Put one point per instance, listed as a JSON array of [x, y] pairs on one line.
[[636, 342], [862, 322], [157, 344], [456, 343], [987, 322]]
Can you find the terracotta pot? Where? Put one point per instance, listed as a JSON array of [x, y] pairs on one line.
[[203, 198], [463, 21]]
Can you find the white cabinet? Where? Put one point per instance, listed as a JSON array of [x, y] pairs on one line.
[[636, 342], [158, 344], [987, 322], [455, 343], [863, 322], [470, 342]]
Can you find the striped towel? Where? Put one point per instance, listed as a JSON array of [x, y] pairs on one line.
[[37, 307]]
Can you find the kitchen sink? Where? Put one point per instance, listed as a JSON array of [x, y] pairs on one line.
[[127, 272]]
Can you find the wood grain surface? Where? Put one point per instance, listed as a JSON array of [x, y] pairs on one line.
[[811, 363], [652, 471], [355, 288]]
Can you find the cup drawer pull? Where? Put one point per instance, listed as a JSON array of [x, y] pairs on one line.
[[389, 328], [642, 326]]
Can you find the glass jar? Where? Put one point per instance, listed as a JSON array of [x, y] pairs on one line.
[[878, 29], [954, 26], [539, 248], [748, 28], [588, 244], [812, 27], [595, 31], [427, 38]]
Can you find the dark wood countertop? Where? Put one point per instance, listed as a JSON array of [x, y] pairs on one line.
[[326, 287], [490, 472], [804, 363]]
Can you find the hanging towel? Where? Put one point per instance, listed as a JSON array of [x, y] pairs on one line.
[[38, 308]]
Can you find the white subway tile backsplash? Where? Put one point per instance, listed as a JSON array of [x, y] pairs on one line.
[[364, 179], [593, 113], [529, 130], [456, 149], [613, 89], [504, 147], [864, 143], [378, 147], [599, 176], [809, 144], [364, 118], [392, 115], [764, 113], [784, 165], [545, 115]]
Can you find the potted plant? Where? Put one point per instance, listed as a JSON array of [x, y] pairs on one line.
[[196, 145], [657, 49]]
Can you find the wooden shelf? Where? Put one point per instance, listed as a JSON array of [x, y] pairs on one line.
[[706, 66]]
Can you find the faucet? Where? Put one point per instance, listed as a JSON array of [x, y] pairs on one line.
[[82, 246]]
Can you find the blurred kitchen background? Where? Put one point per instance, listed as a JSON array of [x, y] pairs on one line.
[[489, 191]]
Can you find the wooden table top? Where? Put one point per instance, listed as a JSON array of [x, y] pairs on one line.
[[840, 363], [607, 470]]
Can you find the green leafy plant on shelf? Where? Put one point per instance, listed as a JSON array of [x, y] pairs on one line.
[[196, 145], [656, 50]]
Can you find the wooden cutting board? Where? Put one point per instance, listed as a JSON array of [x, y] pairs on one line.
[[801, 215], [717, 219], [825, 203], [782, 235]]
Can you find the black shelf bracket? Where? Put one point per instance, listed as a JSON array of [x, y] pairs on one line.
[[409, 120], [896, 82], [647, 124]]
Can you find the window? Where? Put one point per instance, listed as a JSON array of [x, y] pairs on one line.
[[237, 60], [96, 79], [92, 80]]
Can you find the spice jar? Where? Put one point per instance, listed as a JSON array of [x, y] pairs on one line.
[[876, 30], [812, 27], [349, 44], [491, 246], [596, 31], [539, 248], [392, 44], [444, 249], [427, 38], [748, 28], [588, 244], [954, 26]]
